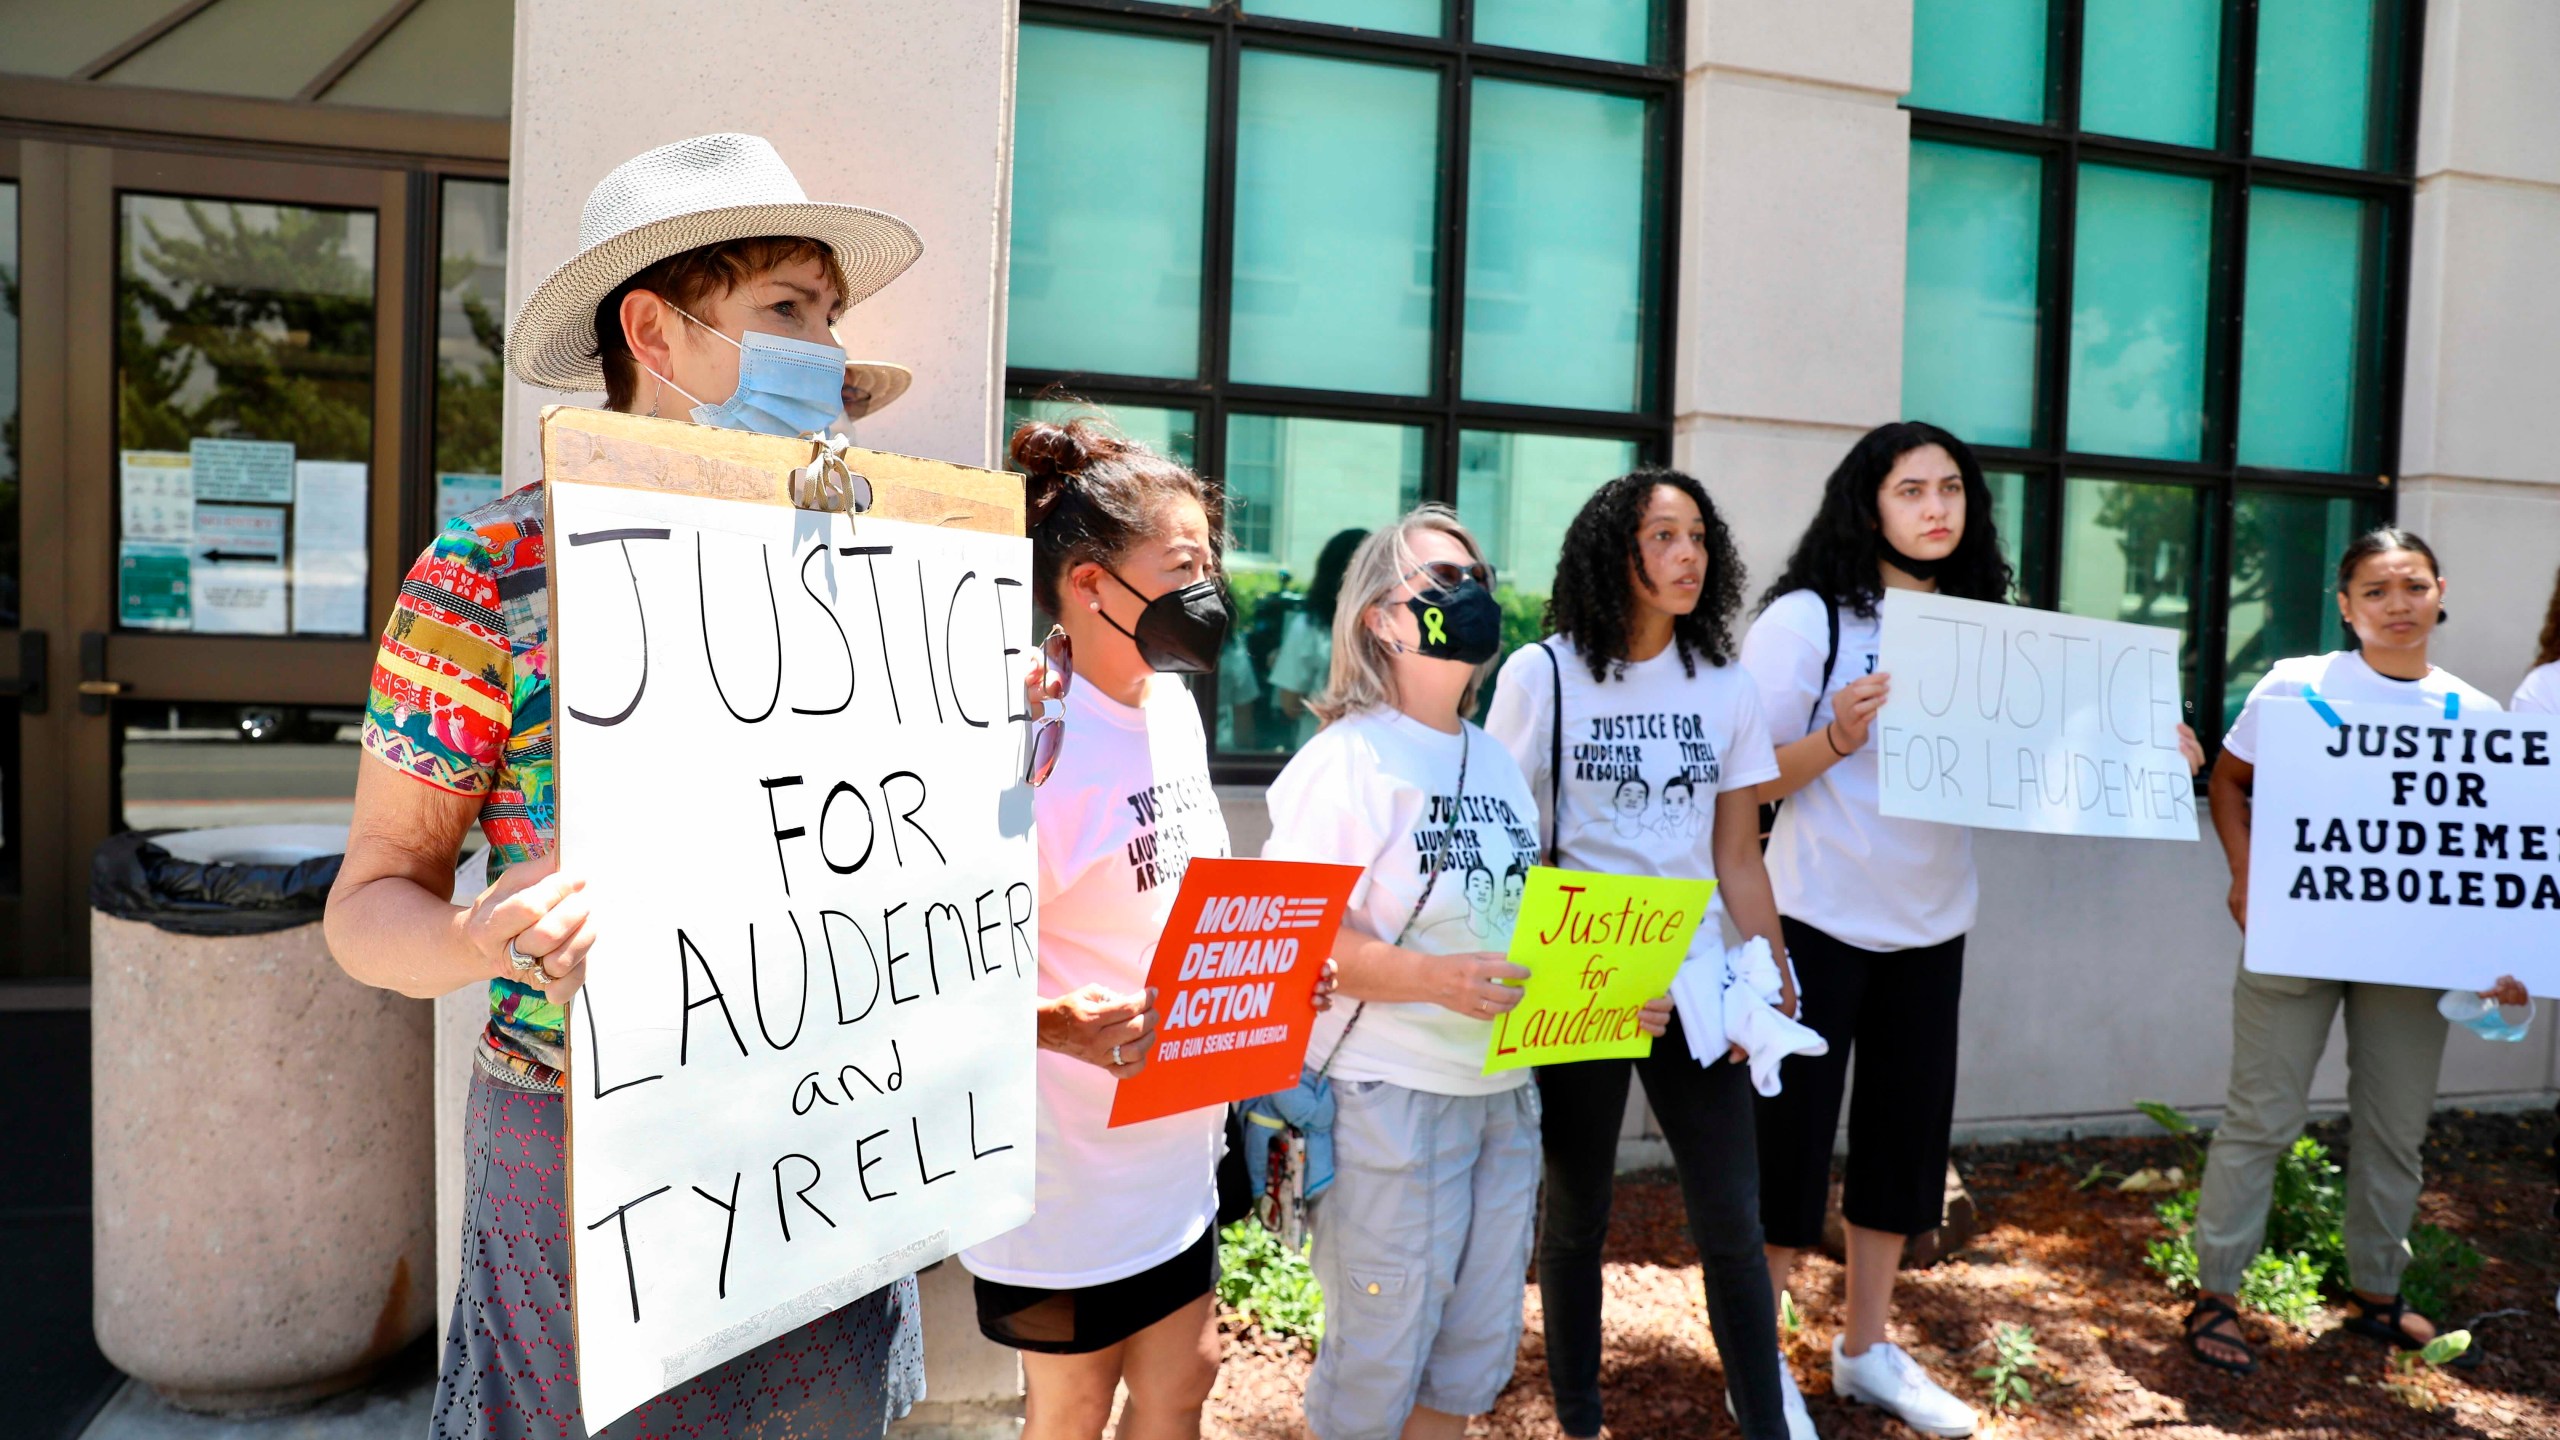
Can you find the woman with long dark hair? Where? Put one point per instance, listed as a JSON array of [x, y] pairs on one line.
[[1305, 658], [1876, 907], [1634, 704], [2391, 596], [2540, 692]]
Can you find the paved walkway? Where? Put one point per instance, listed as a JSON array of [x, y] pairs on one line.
[[395, 1409]]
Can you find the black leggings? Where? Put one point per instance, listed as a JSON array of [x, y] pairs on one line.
[[1897, 1009], [1706, 1117]]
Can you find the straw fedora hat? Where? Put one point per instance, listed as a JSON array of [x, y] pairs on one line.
[[680, 197], [869, 386]]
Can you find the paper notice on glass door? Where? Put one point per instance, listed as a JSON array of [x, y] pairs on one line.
[[258, 472], [154, 587], [158, 497], [239, 579], [329, 547]]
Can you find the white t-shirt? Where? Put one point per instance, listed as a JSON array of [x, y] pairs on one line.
[[1118, 822], [1303, 664], [2540, 692], [1645, 755], [2343, 675], [1874, 881], [1380, 790]]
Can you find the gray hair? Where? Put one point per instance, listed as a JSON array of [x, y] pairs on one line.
[[1363, 675]]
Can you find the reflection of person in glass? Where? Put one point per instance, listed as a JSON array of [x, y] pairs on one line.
[[1480, 916], [707, 287], [1629, 805], [1306, 649], [1680, 816]]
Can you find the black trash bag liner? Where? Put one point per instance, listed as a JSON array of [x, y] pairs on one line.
[[135, 878]]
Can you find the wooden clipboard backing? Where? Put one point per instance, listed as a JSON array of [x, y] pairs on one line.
[[605, 447]]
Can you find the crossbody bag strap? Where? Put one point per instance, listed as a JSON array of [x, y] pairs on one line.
[[1429, 884], [1555, 758]]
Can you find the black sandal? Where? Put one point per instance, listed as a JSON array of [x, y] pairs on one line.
[[2381, 1322], [2221, 1325]]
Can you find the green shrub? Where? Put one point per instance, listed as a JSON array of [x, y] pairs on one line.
[[2306, 1252], [1267, 1285], [2013, 1353]]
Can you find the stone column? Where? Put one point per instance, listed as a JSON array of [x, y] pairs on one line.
[[900, 105], [2479, 476]]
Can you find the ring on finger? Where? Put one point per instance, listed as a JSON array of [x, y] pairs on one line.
[[1115, 1056], [523, 964]]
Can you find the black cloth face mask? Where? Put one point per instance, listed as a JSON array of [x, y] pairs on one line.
[[1922, 570], [1181, 631], [1460, 622]]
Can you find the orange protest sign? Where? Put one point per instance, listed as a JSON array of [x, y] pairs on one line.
[[1235, 980]]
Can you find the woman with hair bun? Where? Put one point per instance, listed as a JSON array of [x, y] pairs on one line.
[[1111, 1281], [2391, 596]]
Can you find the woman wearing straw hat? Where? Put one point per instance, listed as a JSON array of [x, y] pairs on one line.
[[705, 285]]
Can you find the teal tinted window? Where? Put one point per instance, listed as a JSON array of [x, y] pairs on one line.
[[2009, 490], [1294, 486], [2131, 551], [1170, 433], [1109, 194], [1970, 321], [2308, 366], [1979, 57], [2284, 559], [1337, 163], [2139, 289], [2315, 81], [1619, 30], [1409, 17], [2149, 69], [1555, 247], [1517, 492]]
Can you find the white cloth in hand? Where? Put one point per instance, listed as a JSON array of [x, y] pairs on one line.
[[1751, 1018]]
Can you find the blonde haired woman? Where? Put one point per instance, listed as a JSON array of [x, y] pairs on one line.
[[1422, 1241]]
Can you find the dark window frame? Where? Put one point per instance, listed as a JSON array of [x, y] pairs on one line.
[[2047, 463], [1443, 415]]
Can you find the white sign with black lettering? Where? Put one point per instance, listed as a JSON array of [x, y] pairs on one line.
[[791, 757], [2402, 847], [2017, 719]]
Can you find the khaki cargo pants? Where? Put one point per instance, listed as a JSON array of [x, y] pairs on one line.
[[2279, 1026]]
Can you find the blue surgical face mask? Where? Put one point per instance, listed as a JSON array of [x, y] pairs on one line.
[[2482, 1016], [786, 387]]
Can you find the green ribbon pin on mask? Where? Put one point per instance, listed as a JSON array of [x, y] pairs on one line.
[[1459, 622], [1432, 633]]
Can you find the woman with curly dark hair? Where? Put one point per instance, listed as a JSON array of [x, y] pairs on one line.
[[2541, 688], [1631, 723]]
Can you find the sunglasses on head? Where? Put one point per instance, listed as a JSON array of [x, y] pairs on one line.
[[1057, 660], [1450, 574]]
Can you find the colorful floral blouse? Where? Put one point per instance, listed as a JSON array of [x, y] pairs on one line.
[[462, 700]]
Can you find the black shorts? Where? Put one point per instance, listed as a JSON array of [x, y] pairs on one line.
[[1896, 1010], [1096, 1317]]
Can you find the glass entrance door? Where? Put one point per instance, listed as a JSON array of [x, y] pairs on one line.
[[229, 480]]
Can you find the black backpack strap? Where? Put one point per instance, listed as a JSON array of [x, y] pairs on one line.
[[1821, 687], [1555, 757], [1830, 660]]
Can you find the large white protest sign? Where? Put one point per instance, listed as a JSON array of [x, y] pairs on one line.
[[2018, 719], [790, 771], [2404, 847]]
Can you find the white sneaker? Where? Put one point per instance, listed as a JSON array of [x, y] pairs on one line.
[[1889, 1379], [1799, 1420]]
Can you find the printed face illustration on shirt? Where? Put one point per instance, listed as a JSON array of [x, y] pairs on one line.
[[1633, 794], [1680, 816], [1469, 841]]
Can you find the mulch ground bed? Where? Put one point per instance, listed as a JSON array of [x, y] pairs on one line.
[[2069, 1263]]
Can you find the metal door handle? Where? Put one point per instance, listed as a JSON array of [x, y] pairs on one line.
[[29, 687], [94, 685]]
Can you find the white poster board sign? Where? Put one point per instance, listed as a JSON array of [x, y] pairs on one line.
[[2018, 719], [791, 752], [2402, 847]]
